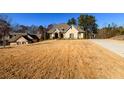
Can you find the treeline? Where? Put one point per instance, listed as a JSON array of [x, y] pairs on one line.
[[87, 23], [6, 27], [84, 21], [110, 31], [41, 30]]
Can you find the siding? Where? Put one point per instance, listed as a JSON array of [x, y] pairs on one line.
[[72, 30], [20, 41]]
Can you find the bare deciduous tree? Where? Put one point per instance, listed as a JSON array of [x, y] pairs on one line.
[[5, 27]]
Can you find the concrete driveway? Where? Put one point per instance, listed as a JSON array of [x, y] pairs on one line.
[[112, 45]]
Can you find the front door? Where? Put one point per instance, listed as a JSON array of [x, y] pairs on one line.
[[56, 35], [61, 35], [71, 36]]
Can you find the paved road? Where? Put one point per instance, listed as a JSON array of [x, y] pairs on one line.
[[114, 46]]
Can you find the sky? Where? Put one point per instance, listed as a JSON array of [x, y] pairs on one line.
[[102, 19]]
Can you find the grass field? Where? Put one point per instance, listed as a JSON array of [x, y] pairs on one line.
[[60, 59]]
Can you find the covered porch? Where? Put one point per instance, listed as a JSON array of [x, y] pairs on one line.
[[56, 35]]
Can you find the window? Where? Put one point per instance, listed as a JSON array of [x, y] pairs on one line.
[[18, 43], [63, 29], [23, 42], [10, 36]]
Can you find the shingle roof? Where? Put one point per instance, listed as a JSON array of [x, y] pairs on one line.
[[61, 27], [79, 29], [15, 33], [34, 36], [27, 38], [15, 38], [64, 28]]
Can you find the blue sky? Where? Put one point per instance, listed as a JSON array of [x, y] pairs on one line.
[[53, 18]]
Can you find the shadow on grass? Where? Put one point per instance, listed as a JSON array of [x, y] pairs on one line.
[[8, 47], [41, 43]]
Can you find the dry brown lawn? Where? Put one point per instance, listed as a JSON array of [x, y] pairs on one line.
[[60, 59]]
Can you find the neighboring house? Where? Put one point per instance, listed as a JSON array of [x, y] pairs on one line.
[[20, 39], [64, 31], [35, 38]]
